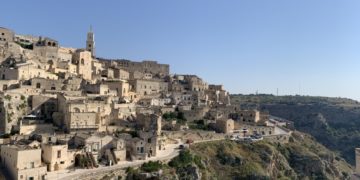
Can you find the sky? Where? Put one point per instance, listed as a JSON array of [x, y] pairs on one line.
[[306, 47]]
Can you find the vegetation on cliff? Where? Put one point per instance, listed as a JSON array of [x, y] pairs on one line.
[[334, 122], [301, 158]]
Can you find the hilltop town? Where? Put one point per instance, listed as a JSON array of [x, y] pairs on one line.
[[64, 109]]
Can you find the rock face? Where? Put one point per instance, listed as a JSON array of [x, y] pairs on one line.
[[189, 173], [333, 122], [301, 158]]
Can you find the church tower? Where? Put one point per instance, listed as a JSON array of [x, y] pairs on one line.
[[90, 42]]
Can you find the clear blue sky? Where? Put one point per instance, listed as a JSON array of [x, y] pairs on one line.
[[311, 46]]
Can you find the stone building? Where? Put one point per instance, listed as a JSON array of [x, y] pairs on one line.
[[149, 123], [57, 156], [145, 67], [121, 87], [83, 60], [252, 117], [194, 83], [6, 35], [146, 87], [102, 145], [23, 162], [252, 129], [83, 113], [180, 83], [136, 149], [117, 152], [24, 71], [218, 95], [225, 125], [121, 74], [90, 42]]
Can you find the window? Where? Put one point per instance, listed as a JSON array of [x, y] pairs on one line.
[[59, 154], [82, 61], [38, 85], [62, 162], [149, 140]]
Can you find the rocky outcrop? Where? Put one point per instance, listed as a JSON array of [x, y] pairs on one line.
[[301, 158], [191, 172]]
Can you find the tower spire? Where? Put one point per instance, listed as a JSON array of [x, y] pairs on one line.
[[90, 42]]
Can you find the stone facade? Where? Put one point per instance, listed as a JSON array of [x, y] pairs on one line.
[[6, 35], [83, 61], [148, 87], [57, 156], [225, 125], [23, 162]]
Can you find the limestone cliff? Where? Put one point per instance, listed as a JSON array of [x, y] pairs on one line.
[[302, 158]]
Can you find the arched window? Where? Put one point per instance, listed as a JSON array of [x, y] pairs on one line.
[[82, 61], [77, 110], [49, 43]]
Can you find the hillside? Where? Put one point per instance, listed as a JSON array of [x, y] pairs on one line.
[[334, 122], [301, 158]]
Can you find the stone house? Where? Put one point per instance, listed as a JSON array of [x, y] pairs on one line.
[[147, 87], [101, 146], [23, 162], [83, 60], [136, 149], [57, 156], [6, 35], [225, 126], [149, 123]]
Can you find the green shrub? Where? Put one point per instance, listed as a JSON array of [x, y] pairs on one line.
[[184, 159], [152, 166], [170, 116], [8, 97]]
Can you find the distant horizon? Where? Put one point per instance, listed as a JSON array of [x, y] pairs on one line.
[[308, 48]]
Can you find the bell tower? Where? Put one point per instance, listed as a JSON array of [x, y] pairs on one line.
[[90, 42]]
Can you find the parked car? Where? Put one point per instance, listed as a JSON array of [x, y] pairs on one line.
[[256, 138]]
